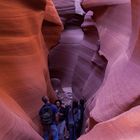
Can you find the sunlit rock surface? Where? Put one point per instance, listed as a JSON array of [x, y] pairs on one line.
[[120, 89], [24, 76], [123, 127]]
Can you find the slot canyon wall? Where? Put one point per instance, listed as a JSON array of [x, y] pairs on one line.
[[24, 76], [116, 104]]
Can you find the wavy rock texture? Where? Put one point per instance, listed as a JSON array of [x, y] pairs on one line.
[[120, 89], [24, 76], [126, 127]]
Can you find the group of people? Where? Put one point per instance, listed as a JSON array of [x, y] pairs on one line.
[[61, 122]]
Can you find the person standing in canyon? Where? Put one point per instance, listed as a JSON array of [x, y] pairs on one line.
[[49, 118]]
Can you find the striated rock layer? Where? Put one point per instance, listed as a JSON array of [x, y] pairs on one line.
[[24, 76], [111, 106]]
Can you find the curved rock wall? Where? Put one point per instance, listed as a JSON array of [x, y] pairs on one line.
[[24, 76], [120, 89]]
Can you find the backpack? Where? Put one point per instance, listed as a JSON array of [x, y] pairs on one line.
[[47, 116]]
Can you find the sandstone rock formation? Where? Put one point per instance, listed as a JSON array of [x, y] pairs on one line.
[[24, 76], [120, 89], [29, 29]]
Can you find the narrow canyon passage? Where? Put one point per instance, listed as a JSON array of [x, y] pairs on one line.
[[92, 46], [76, 60]]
